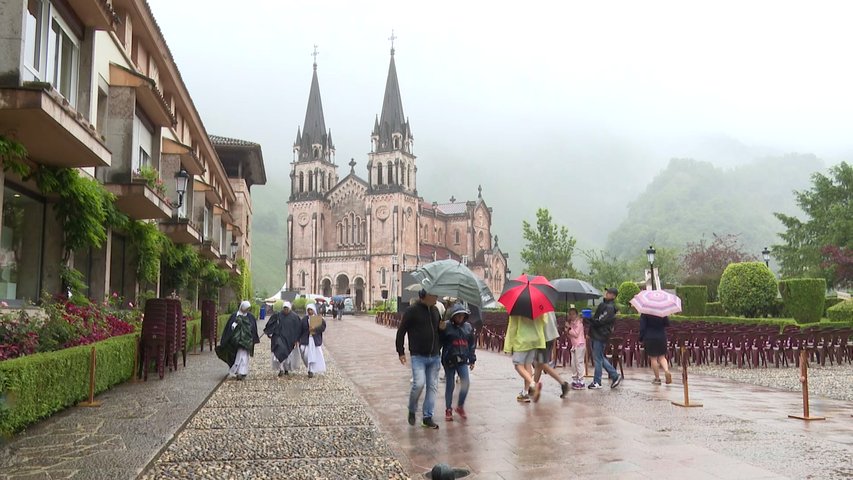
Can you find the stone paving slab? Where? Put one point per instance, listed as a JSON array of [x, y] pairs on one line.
[[296, 469], [119, 438], [630, 432], [281, 416]]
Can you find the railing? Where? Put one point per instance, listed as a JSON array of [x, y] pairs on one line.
[[342, 253]]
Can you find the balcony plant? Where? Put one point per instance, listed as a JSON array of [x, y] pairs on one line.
[[152, 178]]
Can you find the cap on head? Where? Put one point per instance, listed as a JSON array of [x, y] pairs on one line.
[[613, 290]]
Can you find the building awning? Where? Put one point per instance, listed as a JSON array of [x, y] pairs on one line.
[[147, 94], [189, 159], [52, 132]]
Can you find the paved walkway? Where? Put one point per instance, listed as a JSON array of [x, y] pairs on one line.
[[632, 432], [119, 438]]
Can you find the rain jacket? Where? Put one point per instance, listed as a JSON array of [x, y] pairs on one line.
[[284, 331], [524, 334], [601, 324], [576, 333], [458, 345], [240, 332]]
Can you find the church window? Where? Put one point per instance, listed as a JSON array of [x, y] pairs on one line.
[[316, 152], [409, 176], [480, 238], [390, 174], [382, 274], [322, 182], [396, 143], [301, 182], [346, 231], [330, 180], [440, 236], [310, 181], [379, 174], [402, 175], [302, 274], [456, 237], [340, 233]]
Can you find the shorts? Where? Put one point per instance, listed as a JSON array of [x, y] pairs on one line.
[[524, 358], [544, 355]]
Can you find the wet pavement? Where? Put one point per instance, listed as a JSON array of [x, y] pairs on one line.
[[629, 432], [119, 438]]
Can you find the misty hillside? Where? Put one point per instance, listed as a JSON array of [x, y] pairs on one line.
[[691, 198], [269, 236]]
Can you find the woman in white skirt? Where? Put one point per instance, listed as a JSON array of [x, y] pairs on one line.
[[311, 342]]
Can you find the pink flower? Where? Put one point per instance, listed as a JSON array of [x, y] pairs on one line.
[[4, 304], [130, 304], [115, 294]]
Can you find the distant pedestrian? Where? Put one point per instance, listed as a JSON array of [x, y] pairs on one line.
[[542, 362], [653, 336], [311, 341], [458, 356], [284, 328], [238, 341], [524, 337], [601, 326], [339, 310], [420, 325], [578, 348]]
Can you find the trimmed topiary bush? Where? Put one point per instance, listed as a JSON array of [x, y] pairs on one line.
[[694, 299], [627, 291], [715, 309], [829, 303], [748, 289], [803, 298], [841, 312]]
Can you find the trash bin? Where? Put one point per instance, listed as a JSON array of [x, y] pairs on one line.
[[586, 313], [263, 311]]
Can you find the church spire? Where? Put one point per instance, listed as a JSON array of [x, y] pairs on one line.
[[393, 132], [315, 142]]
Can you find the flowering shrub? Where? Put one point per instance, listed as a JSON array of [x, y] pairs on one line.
[[66, 325], [152, 179]]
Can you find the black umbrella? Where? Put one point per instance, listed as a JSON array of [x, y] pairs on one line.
[[574, 289]]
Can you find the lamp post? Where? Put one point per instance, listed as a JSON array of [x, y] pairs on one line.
[[181, 179], [650, 253], [766, 255], [234, 249]]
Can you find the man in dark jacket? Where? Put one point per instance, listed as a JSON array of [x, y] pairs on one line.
[[421, 323], [600, 328], [284, 328]]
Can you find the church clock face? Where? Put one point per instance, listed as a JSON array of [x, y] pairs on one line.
[[382, 212], [303, 219]]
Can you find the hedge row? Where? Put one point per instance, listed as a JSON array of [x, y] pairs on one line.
[[36, 386], [778, 322], [841, 312], [803, 298], [694, 299], [715, 309]]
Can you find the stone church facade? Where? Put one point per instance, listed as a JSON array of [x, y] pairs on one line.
[[354, 236]]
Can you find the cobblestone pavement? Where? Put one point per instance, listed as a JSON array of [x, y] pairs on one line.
[[831, 381], [630, 432], [119, 438], [293, 427]]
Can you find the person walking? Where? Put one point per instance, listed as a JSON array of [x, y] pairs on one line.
[[284, 328], [601, 326], [238, 341], [653, 336], [458, 356], [420, 325], [524, 337], [311, 341], [577, 344], [542, 362]]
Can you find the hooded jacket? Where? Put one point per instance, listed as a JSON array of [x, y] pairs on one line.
[[458, 346], [601, 324]]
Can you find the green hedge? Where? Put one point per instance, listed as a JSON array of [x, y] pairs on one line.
[[715, 309], [748, 289], [36, 386], [842, 312], [193, 334], [830, 302], [778, 322], [694, 299], [803, 298]]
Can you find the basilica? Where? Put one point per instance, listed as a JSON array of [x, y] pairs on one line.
[[359, 236]]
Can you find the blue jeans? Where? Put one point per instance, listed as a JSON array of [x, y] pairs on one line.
[[450, 377], [599, 361], [424, 372]]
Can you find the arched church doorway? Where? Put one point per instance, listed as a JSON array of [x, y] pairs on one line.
[[327, 287], [359, 293], [342, 285]]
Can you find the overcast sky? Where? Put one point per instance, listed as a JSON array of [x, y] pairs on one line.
[[596, 96]]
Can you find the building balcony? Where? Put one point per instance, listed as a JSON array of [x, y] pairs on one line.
[[147, 94], [98, 14], [343, 254], [226, 263], [180, 231], [209, 250], [189, 159], [52, 132], [139, 201]]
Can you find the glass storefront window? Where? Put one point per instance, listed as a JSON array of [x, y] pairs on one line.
[[21, 243]]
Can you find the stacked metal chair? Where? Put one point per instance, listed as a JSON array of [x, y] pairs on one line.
[[155, 335], [209, 324]]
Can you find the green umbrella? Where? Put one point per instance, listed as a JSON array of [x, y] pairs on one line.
[[449, 278]]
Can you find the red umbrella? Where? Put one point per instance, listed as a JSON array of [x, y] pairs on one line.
[[529, 296]]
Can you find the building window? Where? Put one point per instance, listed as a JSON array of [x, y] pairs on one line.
[[379, 174], [63, 59], [456, 237], [382, 272], [464, 259], [301, 182], [390, 174], [302, 275], [143, 134], [21, 246], [316, 152], [33, 37], [310, 181], [402, 175], [206, 223], [396, 143]]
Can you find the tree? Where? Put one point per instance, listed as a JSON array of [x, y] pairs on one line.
[[839, 261], [748, 289], [549, 247], [606, 270], [828, 206], [704, 263]]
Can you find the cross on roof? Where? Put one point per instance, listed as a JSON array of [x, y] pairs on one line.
[[392, 38], [316, 52]]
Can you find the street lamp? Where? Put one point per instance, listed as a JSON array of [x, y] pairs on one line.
[[181, 179], [766, 255], [650, 253], [233, 249]]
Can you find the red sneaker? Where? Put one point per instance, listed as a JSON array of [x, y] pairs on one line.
[[461, 411], [448, 415]]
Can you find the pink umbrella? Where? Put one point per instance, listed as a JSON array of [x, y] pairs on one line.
[[656, 302]]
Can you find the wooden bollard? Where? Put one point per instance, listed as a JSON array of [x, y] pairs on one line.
[[91, 402], [195, 337], [686, 402], [804, 379]]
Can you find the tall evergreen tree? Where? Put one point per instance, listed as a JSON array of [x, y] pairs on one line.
[[549, 247]]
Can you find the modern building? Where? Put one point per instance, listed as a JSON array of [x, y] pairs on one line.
[[92, 85], [353, 235]]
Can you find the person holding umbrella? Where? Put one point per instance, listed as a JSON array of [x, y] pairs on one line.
[[655, 306], [601, 326], [420, 324]]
